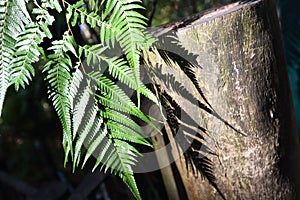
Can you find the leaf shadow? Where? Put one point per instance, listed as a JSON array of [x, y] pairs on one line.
[[172, 61]]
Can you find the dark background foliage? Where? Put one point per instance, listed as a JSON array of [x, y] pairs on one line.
[[31, 154]]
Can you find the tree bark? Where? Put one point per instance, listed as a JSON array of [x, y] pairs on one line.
[[238, 60]]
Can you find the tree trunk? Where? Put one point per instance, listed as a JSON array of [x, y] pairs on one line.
[[239, 100]]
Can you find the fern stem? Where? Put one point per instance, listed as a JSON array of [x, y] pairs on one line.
[[166, 172]]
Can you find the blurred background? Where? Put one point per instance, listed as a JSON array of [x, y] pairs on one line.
[[31, 154]]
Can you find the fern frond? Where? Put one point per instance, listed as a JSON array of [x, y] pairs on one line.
[[13, 16], [86, 131], [117, 155], [106, 133], [93, 110], [28, 41], [86, 122], [128, 178], [93, 54], [118, 68], [122, 119], [106, 141], [131, 35], [76, 80], [109, 141], [27, 52], [112, 91], [103, 128], [59, 78], [125, 133], [118, 22], [90, 116], [94, 144]]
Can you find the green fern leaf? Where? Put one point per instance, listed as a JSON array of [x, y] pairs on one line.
[[92, 108], [122, 119], [118, 156], [27, 52], [112, 91], [59, 78], [13, 16], [108, 141], [123, 25], [27, 45], [102, 126], [130, 25], [118, 68], [86, 123], [128, 178], [125, 133]]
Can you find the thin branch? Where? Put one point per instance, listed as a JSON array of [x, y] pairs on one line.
[[152, 12], [71, 32]]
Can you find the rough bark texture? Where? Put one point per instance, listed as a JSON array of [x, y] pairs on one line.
[[243, 75]]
